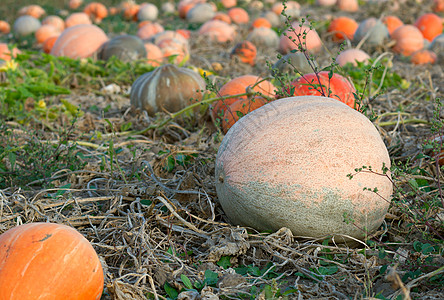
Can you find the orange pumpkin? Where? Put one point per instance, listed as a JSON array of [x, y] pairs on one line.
[[246, 52], [238, 15], [217, 31], [303, 37], [352, 56], [79, 41], [337, 87], [240, 108], [430, 25], [342, 28], [153, 54], [96, 11], [260, 22], [45, 32], [392, 23], [221, 16], [130, 10], [55, 21], [185, 5], [408, 39], [348, 5], [77, 19], [48, 260], [74, 4], [228, 3], [5, 28], [5, 53], [240, 85], [423, 56], [149, 30], [33, 10], [438, 5], [49, 43]]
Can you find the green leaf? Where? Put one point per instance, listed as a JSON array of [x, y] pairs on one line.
[[146, 202], [172, 292], [71, 108], [12, 159], [186, 281], [327, 270], [210, 277], [170, 163], [224, 262]]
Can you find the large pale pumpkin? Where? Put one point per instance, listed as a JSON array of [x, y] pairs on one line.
[[48, 261], [79, 41], [167, 88], [286, 164]]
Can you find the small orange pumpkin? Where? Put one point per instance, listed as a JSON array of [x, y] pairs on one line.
[[49, 43], [45, 32], [239, 109], [342, 27], [408, 39], [77, 19], [217, 31], [33, 10], [348, 5], [337, 87], [246, 52], [430, 25], [392, 23], [221, 16], [240, 85], [55, 21], [74, 4], [260, 22], [5, 53], [149, 30], [5, 28], [153, 54], [238, 15], [423, 56], [79, 41], [96, 11], [228, 3], [48, 260], [303, 37]]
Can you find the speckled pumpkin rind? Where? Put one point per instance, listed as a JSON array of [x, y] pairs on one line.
[[286, 164]]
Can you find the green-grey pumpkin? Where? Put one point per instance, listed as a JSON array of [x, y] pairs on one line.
[[125, 47], [167, 88]]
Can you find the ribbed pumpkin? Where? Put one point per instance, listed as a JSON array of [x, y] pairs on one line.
[[125, 47], [286, 165], [408, 39], [79, 41], [48, 261], [167, 88]]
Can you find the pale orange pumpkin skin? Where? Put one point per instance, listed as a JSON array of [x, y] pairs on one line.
[[48, 261], [298, 178], [79, 41]]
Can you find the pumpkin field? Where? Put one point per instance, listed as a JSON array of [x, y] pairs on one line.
[[221, 149]]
